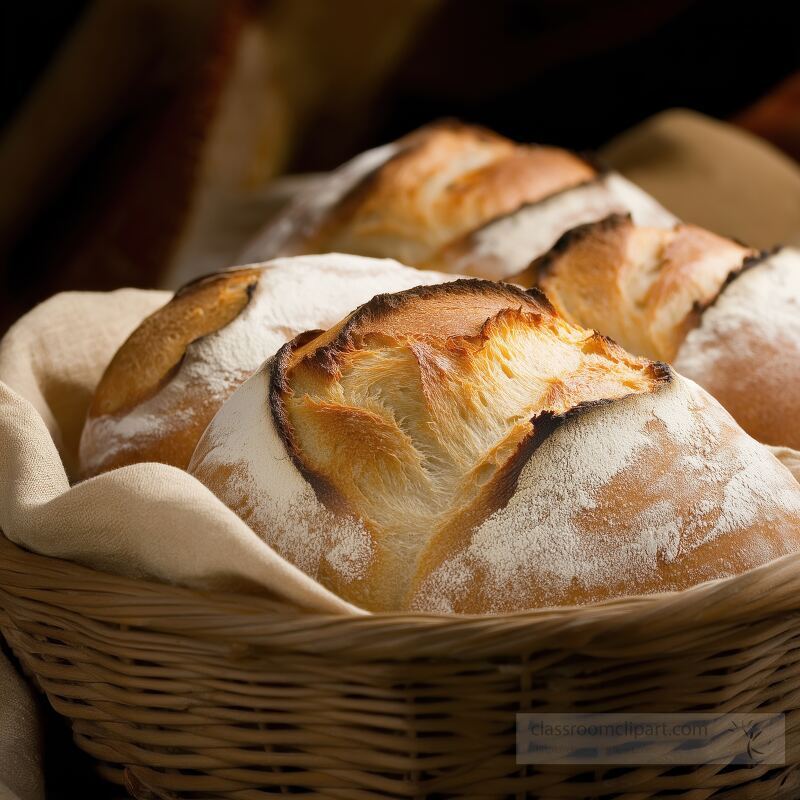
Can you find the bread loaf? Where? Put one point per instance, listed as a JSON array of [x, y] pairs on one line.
[[726, 315], [746, 348], [462, 448], [172, 374], [454, 198]]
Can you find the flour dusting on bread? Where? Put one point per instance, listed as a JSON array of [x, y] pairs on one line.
[[746, 349], [462, 449], [564, 534], [507, 244], [240, 456]]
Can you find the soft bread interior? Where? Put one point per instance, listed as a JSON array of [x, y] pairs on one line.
[[406, 415], [153, 351], [644, 287]]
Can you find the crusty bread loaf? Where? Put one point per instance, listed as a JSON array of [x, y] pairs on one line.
[[172, 374], [727, 316], [461, 448], [454, 198]]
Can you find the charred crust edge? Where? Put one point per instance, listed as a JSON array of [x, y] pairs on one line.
[[249, 289], [747, 263], [545, 423], [325, 491], [544, 264], [384, 305], [212, 277]]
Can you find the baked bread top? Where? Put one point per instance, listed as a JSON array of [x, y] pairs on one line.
[[462, 448], [455, 198], [508, 243], [645, 287], [444, 181], [725, 315]]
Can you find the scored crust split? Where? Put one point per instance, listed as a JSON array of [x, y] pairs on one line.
[[461, 448], [644, 287], [159, 390]]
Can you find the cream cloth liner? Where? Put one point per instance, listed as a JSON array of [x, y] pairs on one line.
[[714, 175], [145, 520]]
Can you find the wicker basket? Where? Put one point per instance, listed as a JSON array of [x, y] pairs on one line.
[[181, 693]]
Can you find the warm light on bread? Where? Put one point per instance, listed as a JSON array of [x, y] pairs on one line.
[[445, 181], [455, 198], [155, 399], [462, 448], [155, 349], [644, 287], [169, 378]]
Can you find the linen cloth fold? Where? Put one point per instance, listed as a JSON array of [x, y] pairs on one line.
[[713, 174], [21, 775]]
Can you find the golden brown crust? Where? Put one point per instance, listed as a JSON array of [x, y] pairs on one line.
[[459, 308], [173, 374], [445, 180], [645, 287], [152, 352], [119, 430]]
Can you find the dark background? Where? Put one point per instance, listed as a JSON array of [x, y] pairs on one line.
[[571, 72], [575, 73]]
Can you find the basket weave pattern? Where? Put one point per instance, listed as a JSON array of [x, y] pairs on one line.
[[180, 693]]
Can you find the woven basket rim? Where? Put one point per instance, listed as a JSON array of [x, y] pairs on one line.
[[250, 621]]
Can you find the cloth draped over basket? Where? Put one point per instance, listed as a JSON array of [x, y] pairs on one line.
[[145, 520]]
